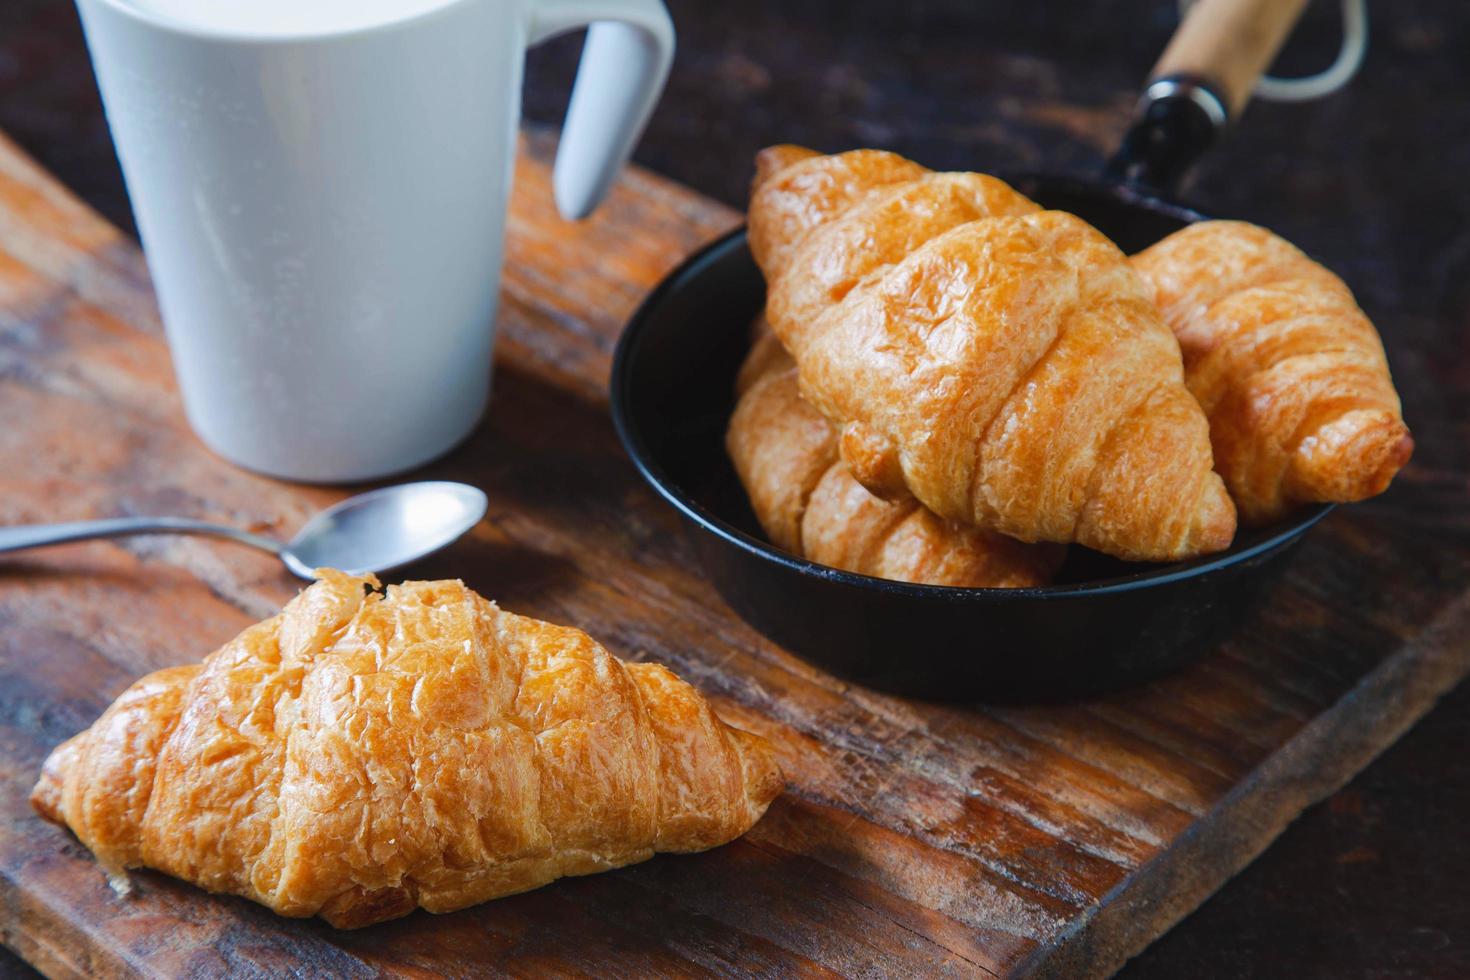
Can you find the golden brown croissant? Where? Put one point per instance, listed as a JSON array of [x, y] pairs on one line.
[[1002, 364], [1289, 371], [785, 453], [361, 754]]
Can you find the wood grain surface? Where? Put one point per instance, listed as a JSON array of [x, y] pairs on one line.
[[914, 839]]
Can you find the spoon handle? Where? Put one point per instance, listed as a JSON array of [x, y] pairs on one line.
[[35, 535]]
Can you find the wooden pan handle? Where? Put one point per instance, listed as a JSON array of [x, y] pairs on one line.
[[1230, 44]]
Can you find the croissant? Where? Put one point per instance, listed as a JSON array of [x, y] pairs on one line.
[[362, 754], [1288, 369], [1004, 365], [785, 453]]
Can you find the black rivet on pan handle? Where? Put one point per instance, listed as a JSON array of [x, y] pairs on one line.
[[1179, 117]]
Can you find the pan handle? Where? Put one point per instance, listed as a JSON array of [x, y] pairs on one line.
[[1201, 83]]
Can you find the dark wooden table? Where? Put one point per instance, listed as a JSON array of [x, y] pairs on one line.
[[1374, 882]]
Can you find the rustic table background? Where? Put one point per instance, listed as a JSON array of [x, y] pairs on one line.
[[1374, 882]]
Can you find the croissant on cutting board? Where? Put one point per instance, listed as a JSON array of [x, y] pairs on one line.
[[785, 454], [1289, 371], [363, 754], [1002, 364]]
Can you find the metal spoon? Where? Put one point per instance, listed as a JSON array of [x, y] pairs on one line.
[[372, 532]]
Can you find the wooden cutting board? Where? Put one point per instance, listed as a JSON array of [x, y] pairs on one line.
[[914, 839]]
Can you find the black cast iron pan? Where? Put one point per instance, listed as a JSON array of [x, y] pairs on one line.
[[1105, 623]]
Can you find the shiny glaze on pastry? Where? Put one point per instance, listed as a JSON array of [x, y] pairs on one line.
[[1004, 365], [363, 754], [1288, 369], [785, 453]]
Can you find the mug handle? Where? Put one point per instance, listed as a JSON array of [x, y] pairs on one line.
[[625, 61]]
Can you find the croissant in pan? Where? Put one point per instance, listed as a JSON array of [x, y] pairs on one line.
[[1004, 365], [363, 754], [785, 453], [1289, 371]]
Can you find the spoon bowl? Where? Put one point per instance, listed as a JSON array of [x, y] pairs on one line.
[[385, 529]]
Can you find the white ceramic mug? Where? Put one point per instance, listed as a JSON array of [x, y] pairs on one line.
[[321, 197]]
